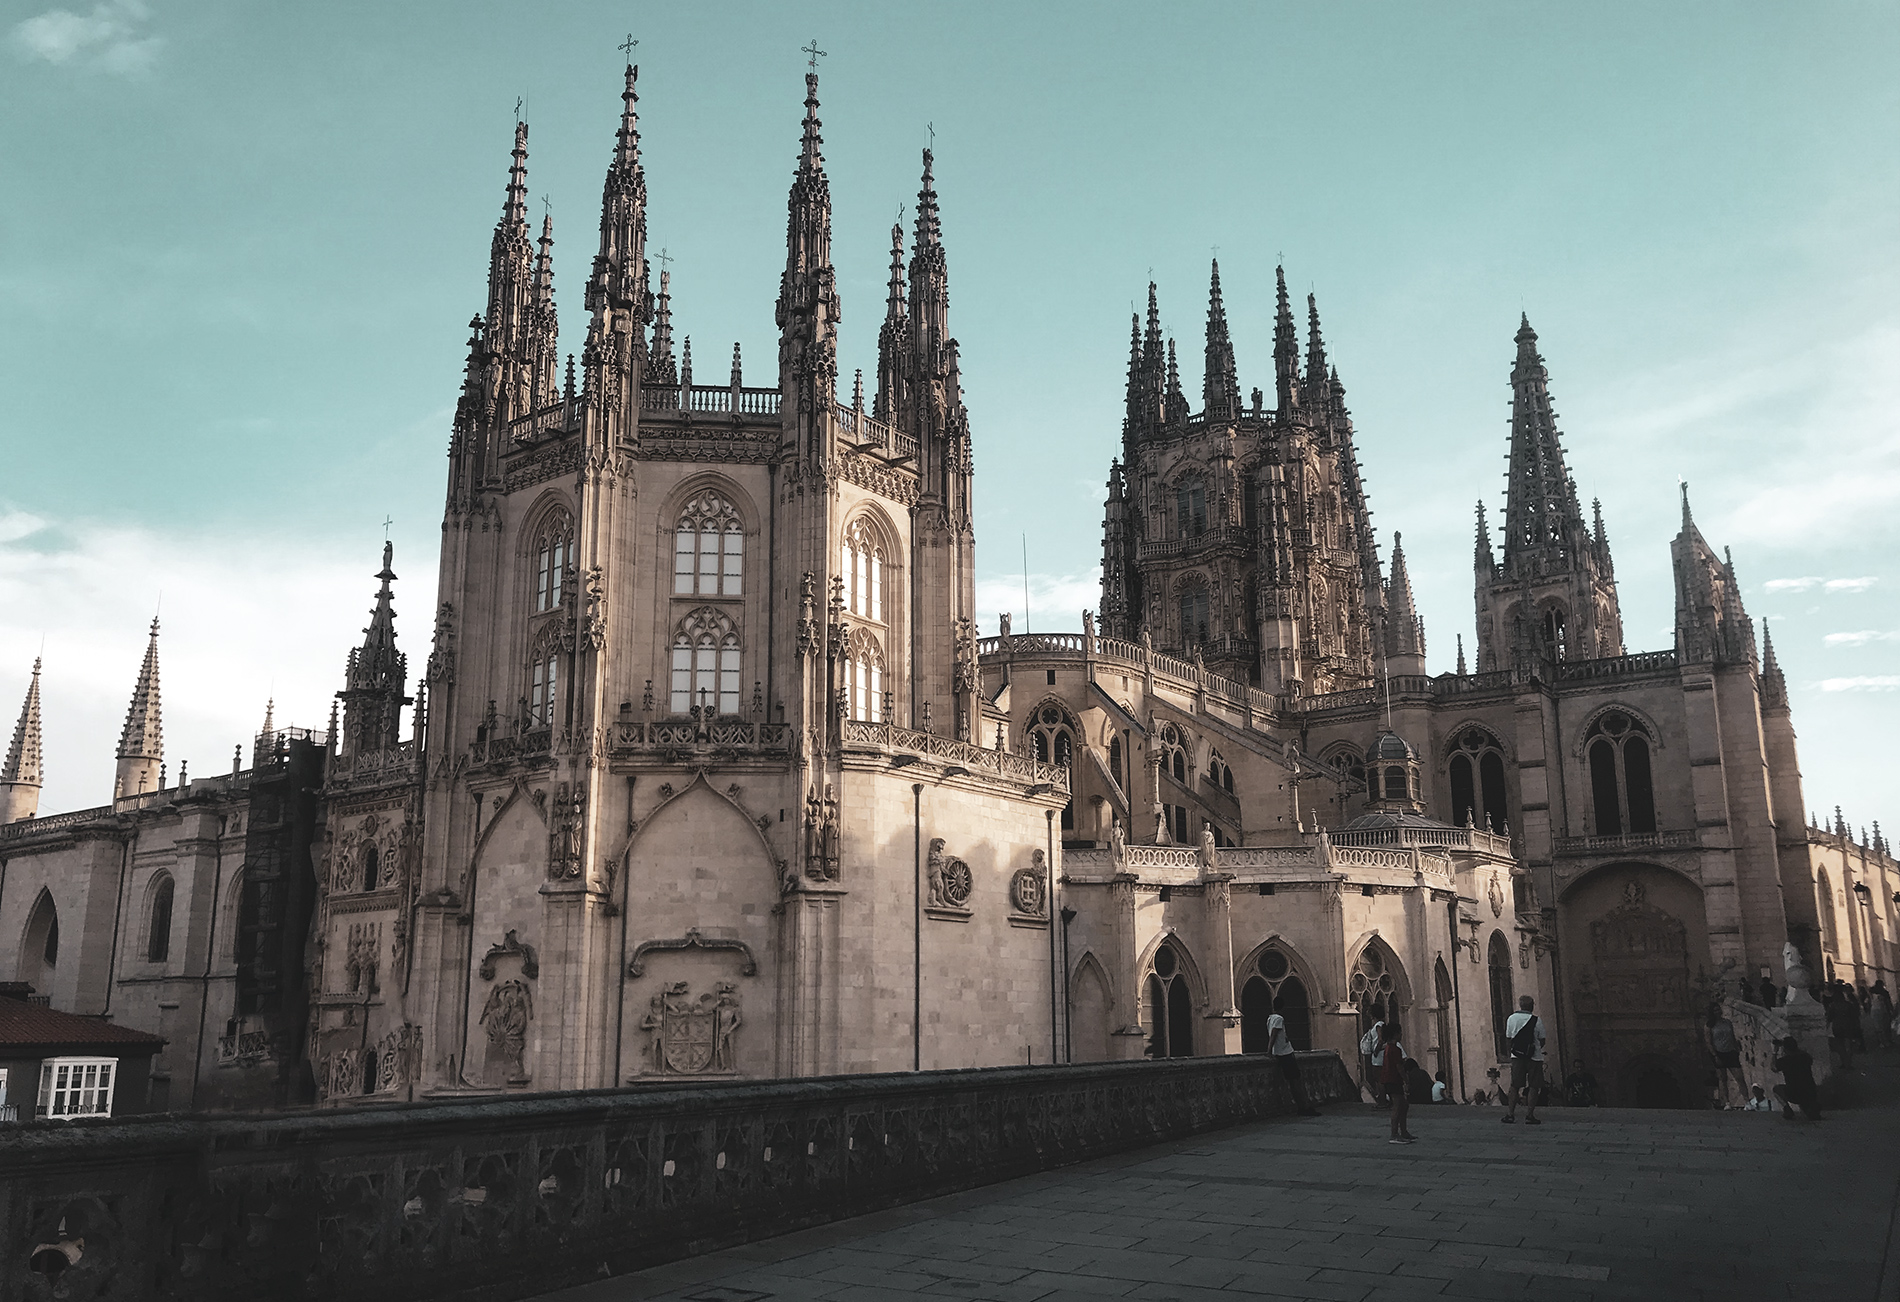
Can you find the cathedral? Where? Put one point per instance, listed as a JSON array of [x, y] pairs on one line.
[[756, 801]]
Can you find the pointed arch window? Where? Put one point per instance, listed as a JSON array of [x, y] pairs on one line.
[[544, 680], [1168, 1006], [1272, 986], [1622, 795], [1477, 781], [553, 556], [39, 951], [1193, 602], [1190, 508], [708, 549], [1374, 986], [705, 669], [865, 673], [861, 561], [158, 937], [1052, 741]]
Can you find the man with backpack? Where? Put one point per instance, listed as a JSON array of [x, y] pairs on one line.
[[1524, 1032]]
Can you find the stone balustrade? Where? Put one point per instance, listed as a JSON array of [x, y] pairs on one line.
[[506, 1198], [859, 734]]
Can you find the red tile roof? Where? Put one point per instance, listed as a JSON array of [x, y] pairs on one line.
[[23, 1024]]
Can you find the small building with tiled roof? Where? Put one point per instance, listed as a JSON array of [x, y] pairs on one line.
[[56, 1065]]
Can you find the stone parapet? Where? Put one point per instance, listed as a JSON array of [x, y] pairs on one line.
[[510, 1198]]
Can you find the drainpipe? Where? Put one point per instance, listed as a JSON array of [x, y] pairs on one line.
[[112, 959], [917, 927], [1457, 1004], [1049, 907], [626, 902]]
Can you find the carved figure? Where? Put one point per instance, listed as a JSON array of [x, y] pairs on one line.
[[829, 849], [1002, 624], [511, 944], [1027, 890], [948, 879], [596, 610], [1494, 892], [1088, 626], [505, 1017], [691, 1036], [726, 1019], [1210, 859], [564, 835], [1117, 846], [1798, 976]]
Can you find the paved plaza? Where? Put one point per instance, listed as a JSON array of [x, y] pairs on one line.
[[1600, 1203]]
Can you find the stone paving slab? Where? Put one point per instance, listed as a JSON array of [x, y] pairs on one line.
[[1598, 1204]]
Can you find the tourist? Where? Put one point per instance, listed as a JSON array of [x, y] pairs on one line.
[[1843, 1023], [1370, 1060], [1883, 1015], [1524, 1032], [1728, 1055], [1480, 1100], [1580, 1087], [1418, 1086], [1392, 1081], [1280, 1046], [1796, 1066], [1441, 1091], [1769, 995], [1758, 1101]]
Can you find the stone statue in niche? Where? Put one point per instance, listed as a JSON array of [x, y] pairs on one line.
[[822, 836], [948, 879], [565, 832], [505, 1018], [693, 1037], [511, 945]]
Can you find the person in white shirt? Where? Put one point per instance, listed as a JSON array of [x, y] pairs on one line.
[[1524, 1033], [1441, 1092], [1280, 1046], [1758, 1101]]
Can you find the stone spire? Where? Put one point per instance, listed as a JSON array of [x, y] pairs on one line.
[[1175, 409], [1543, 525], [544, 324], [1220, 380], [808, 305], [142, 740], [1286, 349], [1483, 557], [24, 770], [893, 337], [618, 303], [1774, 687], [660, 368], [1712, 624], [1316, 388], [1404, 630], [375, 676], [511, 259], [1461, 656], [929, 276]]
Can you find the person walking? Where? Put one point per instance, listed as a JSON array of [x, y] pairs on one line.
[[1728, 1056], [1280, 1047], [1797, 1076], [1392, 1082], [1524, 1032], [1370, 1060]]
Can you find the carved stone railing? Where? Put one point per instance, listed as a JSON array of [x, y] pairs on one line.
[[1220, 537], [554, 419], [1644, 662], [1130, 658], [1460, 684], [713, 734], [857, 733], [511, 1198], [1569, 845], [1426, 838], [521, 745], [710, 399], [1317, 857], [54, 822], [394, 764]]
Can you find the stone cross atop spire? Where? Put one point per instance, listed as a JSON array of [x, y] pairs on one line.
[[660, 366], [24, 771], [142, 740], [376, 675]]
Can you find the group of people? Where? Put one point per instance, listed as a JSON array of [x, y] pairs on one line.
[[1398, 1081], [1858, 1017]]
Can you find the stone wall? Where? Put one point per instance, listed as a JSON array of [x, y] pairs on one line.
[[509, 1198]]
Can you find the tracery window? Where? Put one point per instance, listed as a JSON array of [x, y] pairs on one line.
[[1168, 1005], [544, 674], [1194, 613], [553, 555], [1621, 793], [708, 549], [1373, 986], [1555, 633], [861, 562], [1271, 986], [705, 669], [158, 940], [1477, 781], [1190, 506], [865, 673], [1219, 774], [1052, 741]]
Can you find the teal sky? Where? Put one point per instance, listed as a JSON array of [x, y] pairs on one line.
[[244, 240]]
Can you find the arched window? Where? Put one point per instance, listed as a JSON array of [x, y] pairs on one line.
[[708, 549], [1190, 508], [1824, 892], [371, 863], [1169, 1006], [1621, 793], [1051, 738], [1554, 632], [1194, 613], [1219, 774], [1498, 959], [544, 673], [158, 936], [1395, 787], [861, 562], [1477, 781], [1272, 986], [553, 556], [705, 663], [865, 672], [39, 950], [1115, 762], [369, 1072], [1374, 987]]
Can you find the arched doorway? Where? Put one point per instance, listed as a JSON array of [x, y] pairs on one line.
[[1168, 1005], [1271, 985]]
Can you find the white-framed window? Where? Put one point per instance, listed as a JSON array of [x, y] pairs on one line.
[[76, 1087], [705, 668], [553, 554], [708, 549], [861, 561], [866, 671]]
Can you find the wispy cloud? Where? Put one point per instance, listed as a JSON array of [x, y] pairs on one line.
[[111, 38], [1056, 601], [1861, 638], [1803, 584], [1863, 683]]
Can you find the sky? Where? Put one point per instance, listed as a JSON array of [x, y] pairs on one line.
[[244, 241]]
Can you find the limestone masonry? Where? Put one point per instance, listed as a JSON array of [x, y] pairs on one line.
[[708, 775]]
